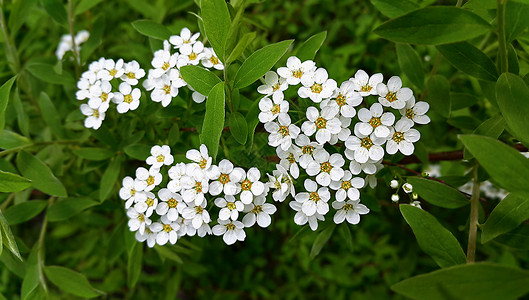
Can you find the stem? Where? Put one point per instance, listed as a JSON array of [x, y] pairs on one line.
[[230, 101], [16, 149], [503, 57], [76, 56], [8, 200], [459, 2], [474, 205], [40, 247], [11, 49]]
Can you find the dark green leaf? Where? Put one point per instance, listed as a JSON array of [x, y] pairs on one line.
[[10, 140], [40, 174], [10, 183], [309, 48], [439, 94], [469, 59], [94, 153], [504, 164], [512, 95], [214, 119], [20, 11], [410, 64], [49, 113], [432, 237], [260, 62], [217, 21], [516, 239], [492, 127], [31, 276], [7, 237], [24, 211], [109, 179], [138, 151], [508, 215], [434, 26], [68, 208], [134, 264], [5, 90], [22, 117], [462, 100], [516, 20], [70, 281], [484, 281], [152, 29], [200, 79], [320, 241], [166, 252], [252, 120], [56, 10], [95, 39], [437, 193], [85, 5], [513, 63], [238, 127], [393, 9], [47, 73], [243, 43]]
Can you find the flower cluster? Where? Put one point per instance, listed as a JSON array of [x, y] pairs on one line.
[[183, 207], [66, 44], [332, 116], [108, 80], [164, 80]]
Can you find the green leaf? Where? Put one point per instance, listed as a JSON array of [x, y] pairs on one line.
[[434, 26], [10, 182], [238, 127], [243, 43], [70, 281], [320, 241], [462, 100], [504, 164], [40, 174], [5, 90], [67, 208], [49, 114], [484, 281], [166, 252], [94, 153], [469, 59], [437, 193], [152, 29], [506, 216], [31, 276], [393, 9], [46, 73], [19, 14], [214, 119], [200, 79], [138, 151], [217, 21], [492, 127], [85, 5], [10, 140], [56, 10], [109, 179], [516, 20], [22, 117], [432, 237], [134, 264], [95, 39], [252, 120], [309, 48], [516, 239], [410, 64], [512, 95], [439, 94], [260, 62], [24, 211], [7, 237]]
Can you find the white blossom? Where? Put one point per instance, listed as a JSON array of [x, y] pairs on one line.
[[231, 231], [296, 70], [349, 210], [228, 179], [393, 94], [326, 167], [300, 218], [229, 207], [347, 187], [127, 98], [185, 40], [166, 231], [171, 204], [95, 117], [210, 59], [317, 86], [197, 214], [258, 211], [314, 200], [416, 111], [251, 186], [324, 124], [132, 73], [274, 85], [365, 147], [364, 84], [281, 132], [146, 180], [271, 109], [375, 120], [402, 137], [160, 155]]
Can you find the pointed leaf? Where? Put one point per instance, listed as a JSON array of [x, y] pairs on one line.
[[200, 79], [10, 182], [506, 216], [109, 179], [321, 240], [238, 127], [437, 193], [439, 94], [152, 29], [214, 119], [217, 21], [393, 9], [49, 113], [7, 237], [40, 174], [309, 48], [512, 95], [47, 73], [67, 208], [5, 90], [24, 211], [469, 59], [71, 282], [410, 64]]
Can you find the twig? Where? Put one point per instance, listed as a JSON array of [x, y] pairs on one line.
[[474, 205]]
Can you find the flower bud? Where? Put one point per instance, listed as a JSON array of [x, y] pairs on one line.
[[394, 184], [414, 196], [395, 198], [408, 188]]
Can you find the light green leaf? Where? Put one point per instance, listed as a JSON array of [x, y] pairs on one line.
[[512, 95], [10, 182], [95, 39], [243, 43], [70, 281], [85, 5], [410, 64], [5, 90], [109, 179], [469, 59], [24, 211], [434, 26], [393, 9], [260, 62], [22, 117], [217, 21], [432, 237], [506, 216], [134, 264], [31, 276], [56, 10], [504, 164], [19, 14], [484, 281], [67, 208], [46, 73], [439, 94], [40, 174], [214, 119], [10, 140], [94, 153], [309, 48], [152, 29], [238, 127], [49, 113], [200, 79], [437, 193], [7, 237], [320, 241], [166, 252]]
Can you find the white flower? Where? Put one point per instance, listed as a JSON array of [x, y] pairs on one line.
[[270, 110], [295, 70], [258, 211], [326, 167], [147, 204], [171, 204], [365, 147], [301, 218], [364, 84], [394, 184], [165, 88], [197, 97], [95, 117], [185, 39], [132, 73], [416, 204], [324, 124], [344, 133], [395, 198], [289, 159], [111, 70], [375, 120], [349, 210], [137, 220], [87, 80], [195, 185], [100, 93], [314, 200], [307, 150], [282, 183], [197, 214], [202, 159], [167, 231], [146, 180], [281, 132], [407, 188], [160, 155], [402, 138], [231, 231], [127, 98], [148, 236], [228, 178], [97, 65], [416, 111], [81, 37], [317, 86], [393, 94], [210, 59], [274, 85], [191, 55], [346, 98], [369, 167], [176, 173], [229, 207], [163, 61], [347, 187], [127, 191], [251, 186]]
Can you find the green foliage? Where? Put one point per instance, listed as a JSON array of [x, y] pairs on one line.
[[200, 79], [410, 64], [393, 9], [7, 239], [512, 95], [470, 60], [40, 174], [238, 127], [320, 241], [214, 119], [67, 208], [509, 213], [439, 94], [437, 193], [310, 47], [70, 281], [151, 29], [24, 211], [10, 182], [216, 18], [5, 90]]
